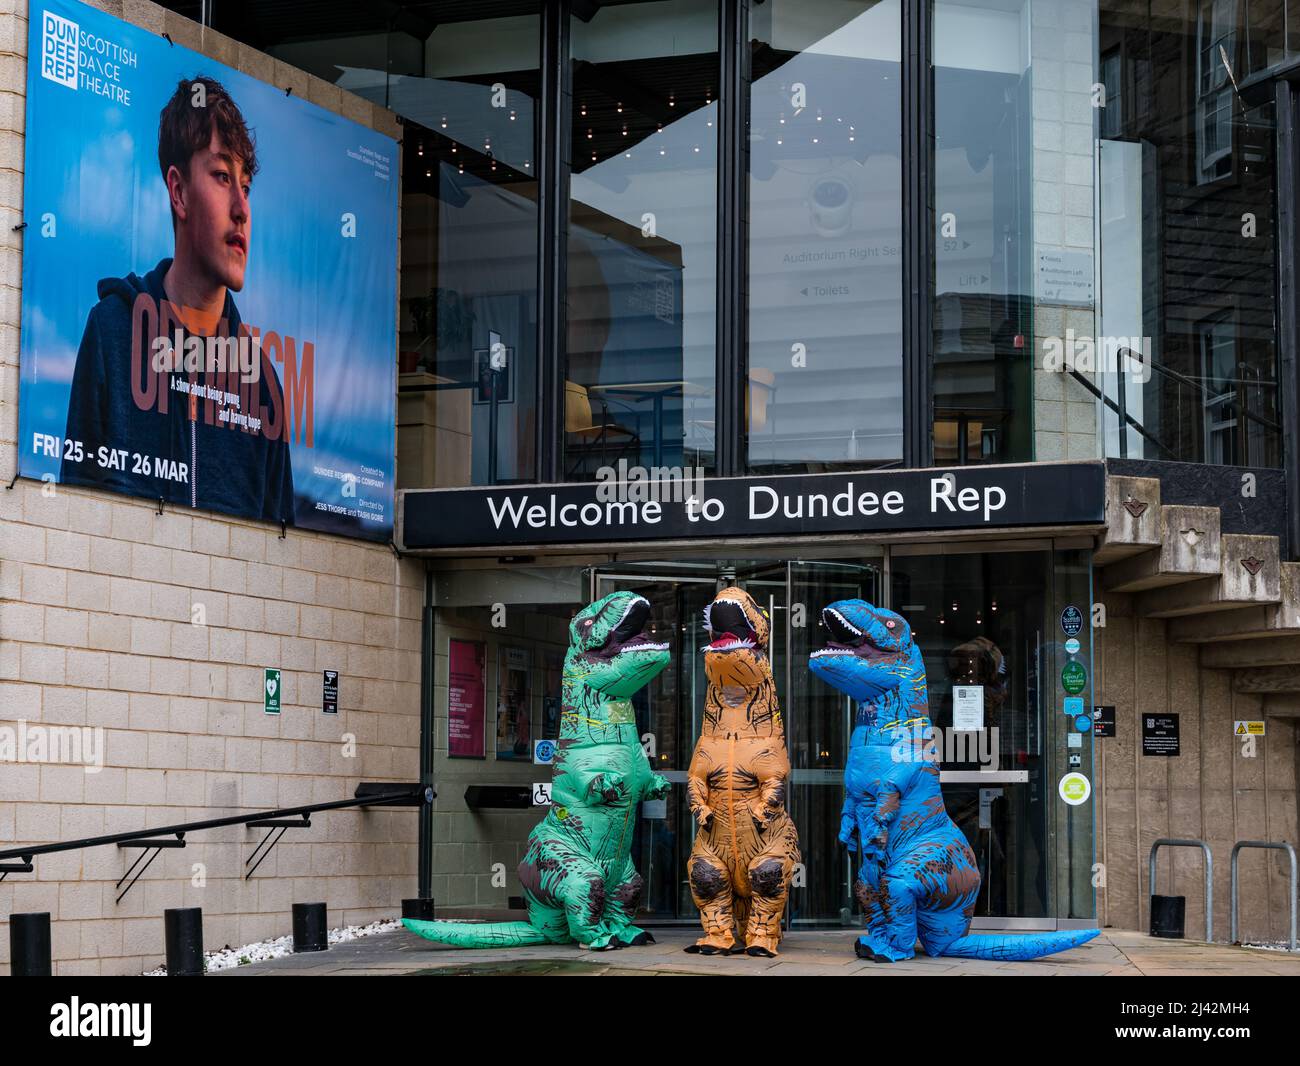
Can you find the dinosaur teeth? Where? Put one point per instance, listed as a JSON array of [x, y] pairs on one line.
[[848, 625], [645, 645]]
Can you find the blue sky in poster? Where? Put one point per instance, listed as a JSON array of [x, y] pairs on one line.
[[91, 164]]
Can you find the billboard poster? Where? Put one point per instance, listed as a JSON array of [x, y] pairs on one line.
[[466, 697], [209, 284]]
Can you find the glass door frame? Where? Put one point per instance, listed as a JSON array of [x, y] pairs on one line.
[[1055, 858]]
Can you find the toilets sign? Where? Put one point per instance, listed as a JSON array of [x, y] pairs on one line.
[[994, 497]]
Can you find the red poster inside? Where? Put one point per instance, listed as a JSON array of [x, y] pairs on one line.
[[466, 697]]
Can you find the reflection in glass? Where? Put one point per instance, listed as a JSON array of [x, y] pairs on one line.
[[642, 249], [983, 313], [1187, 224], [825, 237], [979, 621], [468, 383]]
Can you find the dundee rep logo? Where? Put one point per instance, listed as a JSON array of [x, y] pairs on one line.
[[60, 52]]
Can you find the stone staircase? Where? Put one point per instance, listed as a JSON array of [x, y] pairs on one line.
[[1229, 593]]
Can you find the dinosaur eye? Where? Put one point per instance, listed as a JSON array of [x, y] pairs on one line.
[[889, 625]]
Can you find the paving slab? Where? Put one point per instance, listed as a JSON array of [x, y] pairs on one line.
[[822, 952]]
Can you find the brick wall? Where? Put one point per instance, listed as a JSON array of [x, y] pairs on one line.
[[97, 602]]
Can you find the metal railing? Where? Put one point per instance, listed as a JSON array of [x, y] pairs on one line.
[[368, 794], [1283, 846], [1173, 842]]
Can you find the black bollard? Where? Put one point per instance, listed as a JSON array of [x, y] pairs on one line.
[[29, 945], [310, 932], [1167, 916], [420, 908], [183, 927]]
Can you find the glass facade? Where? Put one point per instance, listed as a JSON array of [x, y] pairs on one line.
[[983, 618], [1187, 220], [984, 140], [824, 285], [1096, 243], [641, 326]]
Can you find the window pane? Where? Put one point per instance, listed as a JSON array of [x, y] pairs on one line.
[[985, 110], [825, 236], [642, 248], [467, 387], [1188, 235]]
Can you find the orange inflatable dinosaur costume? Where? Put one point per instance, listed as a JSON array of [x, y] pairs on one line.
[[746, 848]]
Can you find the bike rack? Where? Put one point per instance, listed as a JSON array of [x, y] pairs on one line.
[[1236, 848], [1173, 842]]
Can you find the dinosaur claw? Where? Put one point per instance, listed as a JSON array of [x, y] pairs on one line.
[[760, 952]]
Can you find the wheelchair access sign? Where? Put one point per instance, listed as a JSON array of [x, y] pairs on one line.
[[542, 794]]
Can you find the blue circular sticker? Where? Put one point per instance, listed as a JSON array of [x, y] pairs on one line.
[[1072, 646], [1083, 723], [1071, 621], [544, 751]]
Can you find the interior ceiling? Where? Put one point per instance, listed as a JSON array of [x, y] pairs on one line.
[[262, 23]]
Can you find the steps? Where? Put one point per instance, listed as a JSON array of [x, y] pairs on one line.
[[1230, 593]]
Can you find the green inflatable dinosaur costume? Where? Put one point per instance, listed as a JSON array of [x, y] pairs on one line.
[[579, 881]]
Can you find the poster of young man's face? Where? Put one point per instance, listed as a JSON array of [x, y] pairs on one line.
[[170, 348]]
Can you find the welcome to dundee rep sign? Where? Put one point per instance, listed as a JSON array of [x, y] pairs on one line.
[[667, 507]]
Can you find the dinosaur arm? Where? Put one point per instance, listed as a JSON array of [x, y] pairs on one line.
[[771, 797], [849, 823], [875, 827], [599, 786], [657, 786], [697, 789]]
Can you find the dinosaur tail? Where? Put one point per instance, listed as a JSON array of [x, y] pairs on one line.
[[476, 934], [1017, 948]]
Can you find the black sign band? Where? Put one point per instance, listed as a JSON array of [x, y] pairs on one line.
[[684, 506]]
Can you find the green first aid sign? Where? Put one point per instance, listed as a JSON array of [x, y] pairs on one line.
[[271, 692]]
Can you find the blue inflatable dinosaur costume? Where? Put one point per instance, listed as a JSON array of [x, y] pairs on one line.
[[918, 876]]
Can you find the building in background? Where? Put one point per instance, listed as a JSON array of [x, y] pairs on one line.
[[1004, 341]]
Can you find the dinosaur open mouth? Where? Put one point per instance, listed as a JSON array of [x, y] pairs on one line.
[[629, 634], [845, 639], [844, 633], [728, 625]]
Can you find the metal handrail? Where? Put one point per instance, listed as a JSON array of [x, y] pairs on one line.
[[1173, 842], [27, 851], [1128, 418], [1283, 846]]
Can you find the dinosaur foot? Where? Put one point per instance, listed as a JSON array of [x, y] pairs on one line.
[[863, 951], [710, 946], [762, 947], [641, 938]]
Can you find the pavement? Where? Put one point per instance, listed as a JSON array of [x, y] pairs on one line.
[[822, 952]]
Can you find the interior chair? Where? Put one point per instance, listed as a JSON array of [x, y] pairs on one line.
[[586, 438]]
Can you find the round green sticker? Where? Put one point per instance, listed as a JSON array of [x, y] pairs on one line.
[[1075, 789], [1074, 678]]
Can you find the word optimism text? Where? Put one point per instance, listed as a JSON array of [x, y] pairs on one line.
[[232, 368]]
